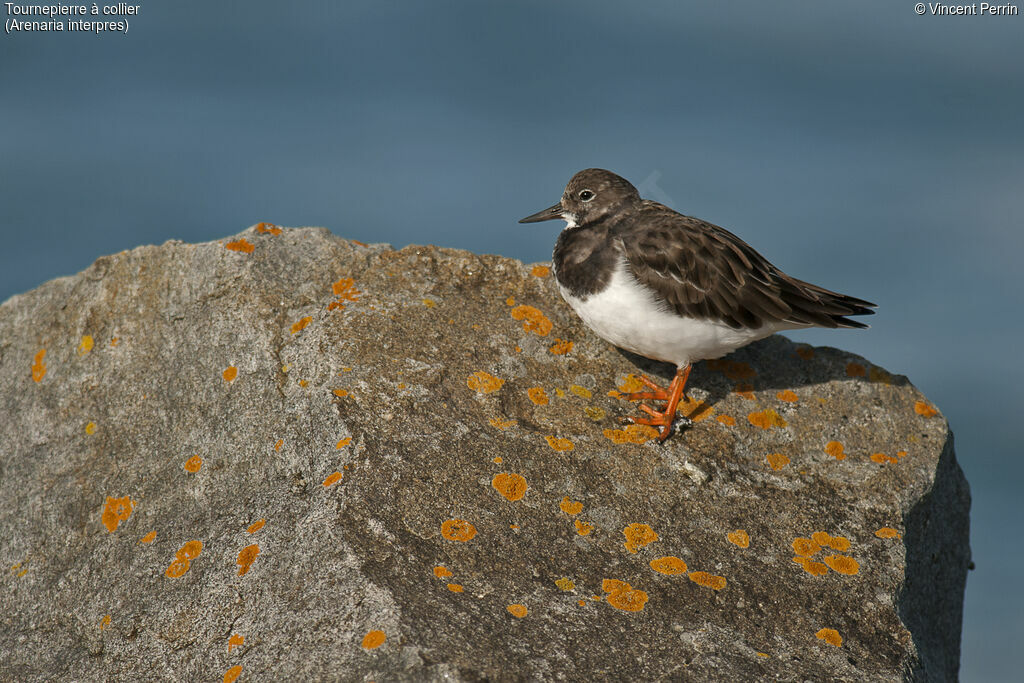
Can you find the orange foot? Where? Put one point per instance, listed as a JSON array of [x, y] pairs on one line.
[[662, 419]]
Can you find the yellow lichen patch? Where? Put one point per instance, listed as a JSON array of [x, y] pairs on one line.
[[763, 654], [631, 384], [114, 341], [232, 674], [668, 565], [533, 319], [148, 538], [561, 347], [517, 610], [458, 530], [455, 587], [540, 271], [177, 568], [277, 446], [256, 526], [766, 419], [734, 370], [230, 373], [924, 410], [707, 580], [879, 376], [694, 410], [901, 454], [830, 636], [821, 538], [442, 572], [855, 370], [104, 622], [623, 596], [559, 444], [559, 393], [301, 324], [811, 567], [805, 352], [193, 464], [234, 641], [631, 434], [303, 383], [332, 479], [582, 392], [85, 346], [340, 393], [373, 640], [637, 536], [570, 507], [345, 289], [594, 412], [887, 532], [744, 390], [189, 551], [498, 460], [511, 301], [242, 245], [777, 461], [268, 228], [787, 396], [739, 537], [537, 395], [39, 366], [115, 511], [805, 547], [839, 543], [501, 423], [583, 528], [483, 382], [343, 442], [429, 303], [883, 459], [90, 428], [842, 564], [565, 584], [511, 486], [727, 420], [835, 449], [246, 556]]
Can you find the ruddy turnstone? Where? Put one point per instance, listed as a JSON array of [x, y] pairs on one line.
[[672, 287]]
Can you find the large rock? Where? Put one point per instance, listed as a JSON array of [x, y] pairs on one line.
[[358, 399]]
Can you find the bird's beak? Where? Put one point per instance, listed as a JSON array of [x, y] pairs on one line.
[[548, 214]]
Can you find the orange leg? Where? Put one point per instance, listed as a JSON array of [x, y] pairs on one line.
[[664, 419]]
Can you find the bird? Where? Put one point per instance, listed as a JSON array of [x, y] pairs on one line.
[[671, 287]]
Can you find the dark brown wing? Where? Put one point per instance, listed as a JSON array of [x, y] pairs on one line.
[[704, 271]]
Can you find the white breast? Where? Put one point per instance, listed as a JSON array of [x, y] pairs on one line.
[[628, 314]]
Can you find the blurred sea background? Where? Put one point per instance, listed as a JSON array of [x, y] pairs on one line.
[[856, 145]]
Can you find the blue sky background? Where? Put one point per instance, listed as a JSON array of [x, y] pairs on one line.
[[857, 145]]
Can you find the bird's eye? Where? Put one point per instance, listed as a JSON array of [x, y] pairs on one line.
[[586, 195]]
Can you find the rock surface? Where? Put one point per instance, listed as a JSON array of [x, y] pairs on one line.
[[295, 457]]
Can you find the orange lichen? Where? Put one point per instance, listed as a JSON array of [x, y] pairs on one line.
[[85, 346], [277, 446], [734, 370], [766, 419], [811, 567], [177, 568], [511, 301], [830, 636], [842, 564], [594, 412], [301, 324], [458, 530], [668, 565], [455, 587], [805, 547], [570, 507], [104, 622], [533, 319], [230, 373], [583, 528], [924, 410], [565, 584], [38, 366], [839, 543], [540, 271], [114, 341], [242, 245], [561, 347], [483, 382], [727, 420], [855, 370], [234, 641], [189, 551], [373, 640], [537, 395], [498, 460], [90, 428], [582, 392], [511, 486], [694, 410], [148, 538], [631, 384], [193, 464], [787, 396], [631, 434], [821, 538], [745, 390], [887, 532], [637, 536], [559, 444], [343, 442], [707, 580], [340, 393], [115, 511], [882, 458], [517, 610], [232, 674], [256, 526], [739, 537], [623, 596], [805, 352], [835, 449], [268, 228], [501, 423], [332, 479], [777, 461], [442, 572], [246, 556], [345, 289]]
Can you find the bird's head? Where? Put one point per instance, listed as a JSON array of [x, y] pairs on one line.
[[591, 195]]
